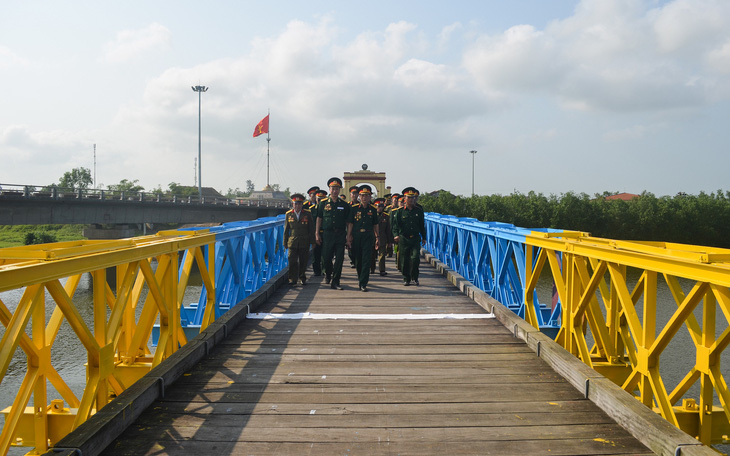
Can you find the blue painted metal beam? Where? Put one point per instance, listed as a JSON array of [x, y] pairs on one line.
[[491, 255]]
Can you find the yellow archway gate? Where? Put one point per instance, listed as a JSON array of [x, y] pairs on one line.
[[377, 180]]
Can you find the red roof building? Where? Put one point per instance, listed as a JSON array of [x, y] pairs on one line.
[[622, 197]]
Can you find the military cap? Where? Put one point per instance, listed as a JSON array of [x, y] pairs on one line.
[[365, 190], [387, 196], [334, 182], [321, 194], [297, 197], [354, 188], [379, 201], [410, 191], [342, 197], [312, 190]]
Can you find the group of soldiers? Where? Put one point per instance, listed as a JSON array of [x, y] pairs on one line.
[[369, 230]]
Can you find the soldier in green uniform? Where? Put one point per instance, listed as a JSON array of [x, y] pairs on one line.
[[311, 205], [387, 207], [317, 265], [332, 213], [362, 235], [386, 237], [354, 191], [298, 237], [395, 207], [410, 233]]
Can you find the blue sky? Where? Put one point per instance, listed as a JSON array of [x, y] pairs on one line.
[[556, 96]]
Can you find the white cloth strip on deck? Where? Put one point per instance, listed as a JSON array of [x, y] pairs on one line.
[[326, 316]]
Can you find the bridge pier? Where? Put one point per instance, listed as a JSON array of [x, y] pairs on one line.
[[97, 231]]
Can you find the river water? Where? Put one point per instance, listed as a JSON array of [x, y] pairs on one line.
[[68, 355]]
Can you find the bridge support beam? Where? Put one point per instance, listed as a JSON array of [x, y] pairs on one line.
[[96, 231]]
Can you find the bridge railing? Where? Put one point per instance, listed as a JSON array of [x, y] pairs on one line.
[[608, 317], [491, 255], [148, 280], [53, 192]]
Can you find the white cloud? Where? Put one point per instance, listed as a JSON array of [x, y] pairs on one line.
[[130, 44], [688, 26], [617, 56], [9, 59]]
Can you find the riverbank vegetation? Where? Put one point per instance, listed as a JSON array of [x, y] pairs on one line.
[[702, 219], [15, 235]]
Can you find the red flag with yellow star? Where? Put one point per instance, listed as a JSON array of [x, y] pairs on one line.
[[262, 127]]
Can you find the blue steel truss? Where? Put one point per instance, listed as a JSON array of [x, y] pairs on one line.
[[247, 255], [491, 255]]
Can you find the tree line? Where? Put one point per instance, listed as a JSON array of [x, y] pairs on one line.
[[80, 179], [702, 219]]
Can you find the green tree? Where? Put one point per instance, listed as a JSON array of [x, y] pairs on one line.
[[237, 193], [250, 187], [39, 237], [126, 186], [181, 190], [77, 178]]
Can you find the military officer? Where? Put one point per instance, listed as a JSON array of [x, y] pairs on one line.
[[363, 235], [311, 203], [319, 195], [410, 233], [332, 213], [354, 191], [354, 195], [387, 207], [386, 237], [395, 207], [298, 236]]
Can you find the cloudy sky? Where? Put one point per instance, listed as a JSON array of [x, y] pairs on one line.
[[556, 96]]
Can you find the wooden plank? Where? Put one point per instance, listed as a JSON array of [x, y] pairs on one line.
[[557, 447], [373, 386], [427, 408]]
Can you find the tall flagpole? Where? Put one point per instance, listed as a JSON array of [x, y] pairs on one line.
[[268, 142]]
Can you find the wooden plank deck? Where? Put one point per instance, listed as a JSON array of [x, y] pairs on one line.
[[352, 386]]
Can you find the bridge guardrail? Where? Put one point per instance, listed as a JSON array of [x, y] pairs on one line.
[[604, 319], [234, 260], [40, 192]]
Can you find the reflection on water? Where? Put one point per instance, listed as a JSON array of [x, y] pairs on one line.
[[68, 355]]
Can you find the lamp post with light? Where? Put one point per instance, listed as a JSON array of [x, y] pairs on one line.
[[473, 154], [200, 89]]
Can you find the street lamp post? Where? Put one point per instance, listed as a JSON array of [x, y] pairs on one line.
[[473, 154], [200, 89]]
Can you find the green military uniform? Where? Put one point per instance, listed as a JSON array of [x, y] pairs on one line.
[[334, 213], [386, 241], [316, 248], [298, 236], [393, 211], [364, 221], [410, 228]]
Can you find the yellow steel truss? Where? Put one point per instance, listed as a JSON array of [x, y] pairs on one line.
[[612, 326], [116, 340]]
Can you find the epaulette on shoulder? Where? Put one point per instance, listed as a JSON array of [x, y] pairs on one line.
[[290, 211]]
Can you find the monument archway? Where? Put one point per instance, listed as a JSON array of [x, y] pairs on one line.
[[377, 180]]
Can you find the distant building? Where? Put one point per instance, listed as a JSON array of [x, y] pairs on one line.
[[622, 197], [268, 193], [207, 192]]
